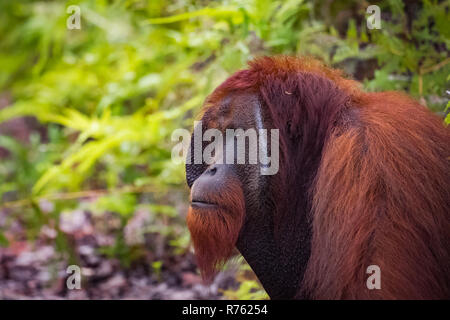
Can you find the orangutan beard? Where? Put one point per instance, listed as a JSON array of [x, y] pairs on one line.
[[215, 229]]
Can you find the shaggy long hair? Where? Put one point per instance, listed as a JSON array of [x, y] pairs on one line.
[[369, 171]]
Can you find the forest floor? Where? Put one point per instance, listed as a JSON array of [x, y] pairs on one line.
[[37, 270]]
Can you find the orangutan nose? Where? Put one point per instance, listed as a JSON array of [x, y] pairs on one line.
[[208, 184]]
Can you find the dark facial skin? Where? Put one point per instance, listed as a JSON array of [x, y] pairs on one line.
[[278, 264]]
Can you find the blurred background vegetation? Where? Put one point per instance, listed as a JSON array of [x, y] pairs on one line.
[[86, 115]]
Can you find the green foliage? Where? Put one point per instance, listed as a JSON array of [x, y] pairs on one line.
[[249, 288], [3, 241], [156, 266], [409, 46], [108, 96], [447, 109]]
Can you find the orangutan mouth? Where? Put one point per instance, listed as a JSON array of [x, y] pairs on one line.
[[202, 204]]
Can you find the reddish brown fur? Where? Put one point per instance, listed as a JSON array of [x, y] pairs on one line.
[[381, 197], [215, 231], [379, 189]]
